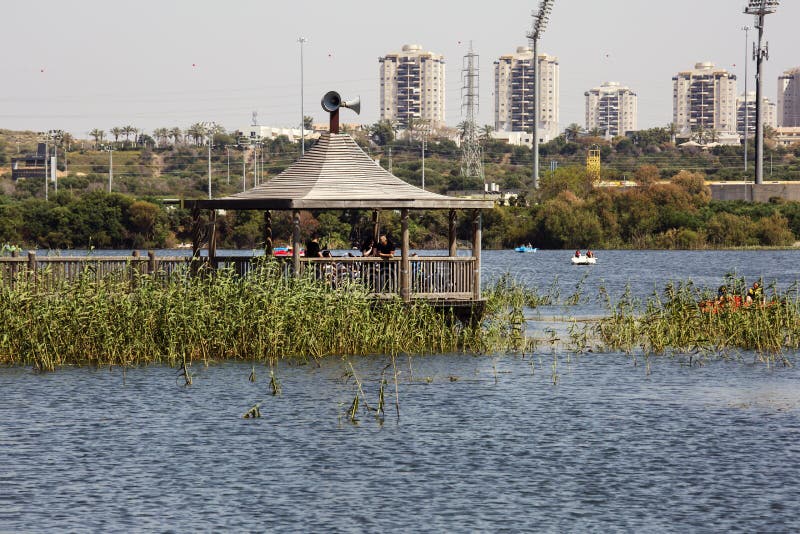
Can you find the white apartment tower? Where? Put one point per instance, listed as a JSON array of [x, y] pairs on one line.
[[789, 98], [412, 86], [513, 93], [704, 99], [612, 109], [767, 107]]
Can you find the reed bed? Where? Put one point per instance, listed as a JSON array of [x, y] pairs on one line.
[[263, 317], [678, 321]]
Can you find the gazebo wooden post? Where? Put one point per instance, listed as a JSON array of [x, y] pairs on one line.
[[476, 253], [212, 240], [195, 261], [375, 226], [451, 234], [267, 233], [405, 271], [296, 243]]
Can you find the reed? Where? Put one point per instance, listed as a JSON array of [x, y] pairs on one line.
[[678, 321], [262, 318]]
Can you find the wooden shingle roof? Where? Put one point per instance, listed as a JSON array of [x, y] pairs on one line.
[[337, 174]]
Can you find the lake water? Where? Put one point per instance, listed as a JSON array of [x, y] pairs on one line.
[[481, 444]]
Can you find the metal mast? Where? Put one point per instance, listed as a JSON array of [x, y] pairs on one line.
[[760, 8], [540, 19], [471, 154]]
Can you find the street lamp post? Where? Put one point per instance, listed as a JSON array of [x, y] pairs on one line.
[[302, 40], [110, 149], [540, 19], [209, 126], [228, 153], [746, 110], [760, 8]]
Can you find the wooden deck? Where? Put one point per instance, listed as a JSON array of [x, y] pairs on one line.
[[434, 278]]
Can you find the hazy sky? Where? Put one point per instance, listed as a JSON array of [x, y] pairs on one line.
[[98, 64]]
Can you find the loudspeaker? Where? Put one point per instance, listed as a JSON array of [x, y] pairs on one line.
[[331, 101]]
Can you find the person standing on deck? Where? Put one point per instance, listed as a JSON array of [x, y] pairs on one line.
[[385, 249], [313, 248]]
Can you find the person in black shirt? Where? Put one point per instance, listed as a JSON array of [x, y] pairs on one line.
[[313, 248], [385, 247]]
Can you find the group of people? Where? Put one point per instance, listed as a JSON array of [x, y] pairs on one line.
[[754, 294], [589, 254], [338, 271]]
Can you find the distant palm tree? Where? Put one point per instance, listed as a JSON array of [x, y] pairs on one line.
[[127, 131], [572, 131], [98, 136], [161, 135], [197, 132], [176, 134], [462, 128], [672, 128], [116, 132], [486, 132]]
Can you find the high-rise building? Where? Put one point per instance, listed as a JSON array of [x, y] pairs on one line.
[[412, 86], [767, 107], [789, 98], [704, 99], [513, 93], [612, 109]]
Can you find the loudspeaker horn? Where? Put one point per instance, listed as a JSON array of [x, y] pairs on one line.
[[354, 104], [331, 101]]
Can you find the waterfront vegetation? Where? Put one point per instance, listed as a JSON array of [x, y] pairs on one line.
[[180, 320], [668, 208], [263, 318], [691, 321]]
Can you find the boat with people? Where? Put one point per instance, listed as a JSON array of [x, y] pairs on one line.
[[525, 248], [584, 259]]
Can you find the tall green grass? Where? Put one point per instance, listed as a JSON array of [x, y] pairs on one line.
[[675, 321], [263, 317]]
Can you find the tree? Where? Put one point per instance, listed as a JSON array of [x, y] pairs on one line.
[[98, 136], [161, 135], [486, 132], [116, 132], [127, 131], [176, 134], [308, 122], [572, 131], [196, 132], [647, 175], [382, 132], [672, 129]]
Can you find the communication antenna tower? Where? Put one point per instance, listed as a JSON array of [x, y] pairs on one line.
[[254, 120], [471, 153]]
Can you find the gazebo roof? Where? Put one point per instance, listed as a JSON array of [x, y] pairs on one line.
[[337, 174]]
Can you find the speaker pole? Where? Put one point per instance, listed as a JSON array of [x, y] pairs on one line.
[[334, 124]]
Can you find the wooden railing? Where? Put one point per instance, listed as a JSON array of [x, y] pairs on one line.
[[429, 277]]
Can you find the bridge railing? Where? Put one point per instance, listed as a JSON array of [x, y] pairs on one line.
[[431, 277]]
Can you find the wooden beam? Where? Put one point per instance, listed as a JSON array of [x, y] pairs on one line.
[[375, 226], [212, 240], [451, 234], [476, 253], [268, 233], [405, 271], [296, 243]]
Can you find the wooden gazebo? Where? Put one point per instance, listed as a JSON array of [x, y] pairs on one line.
[[337, 174]]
